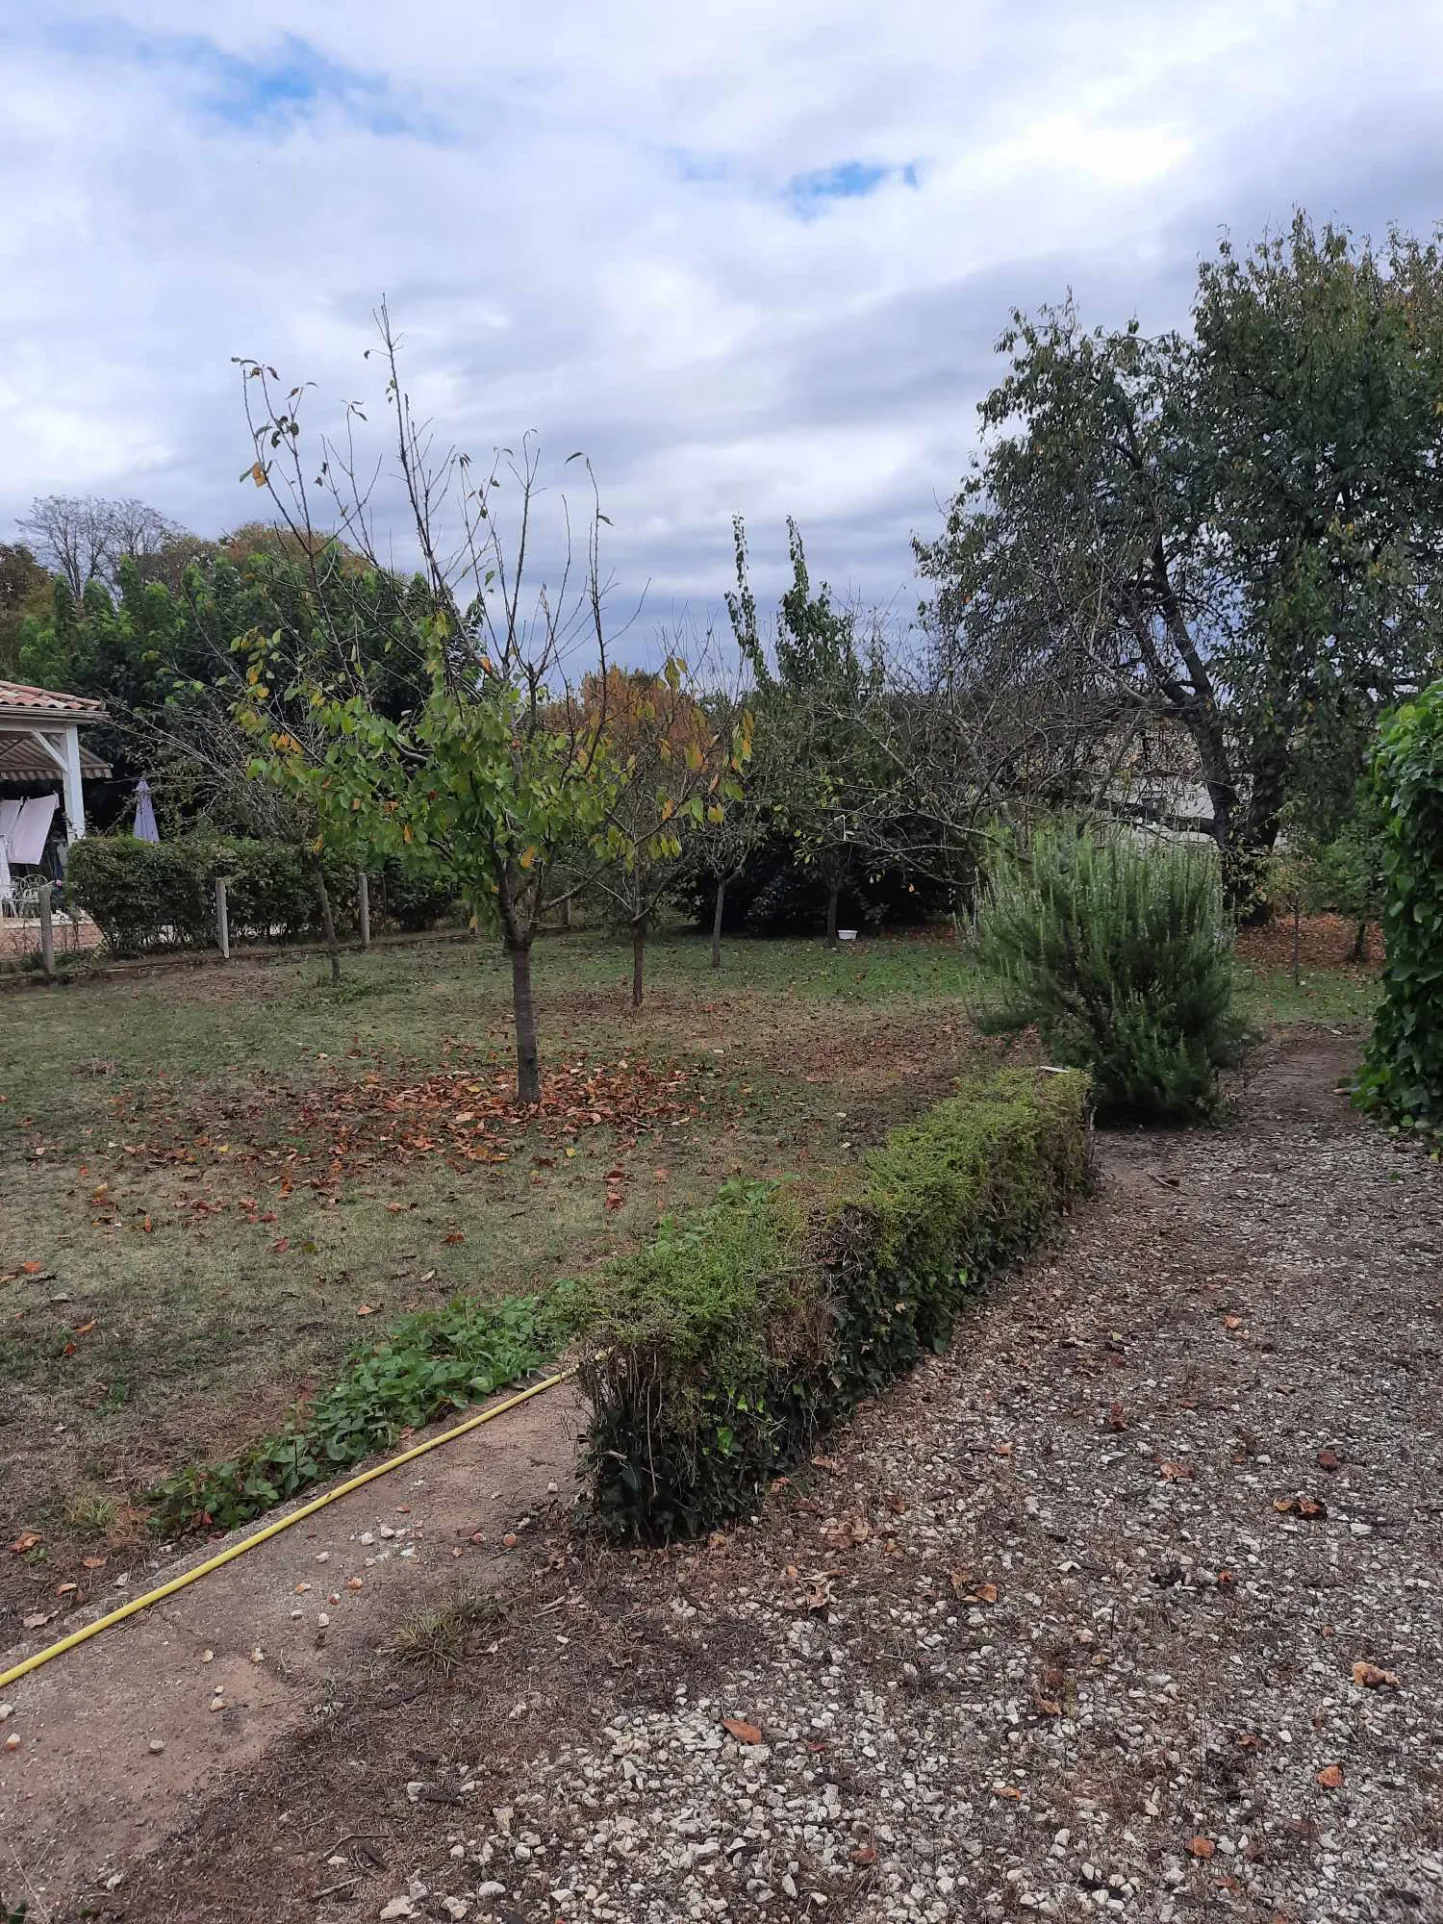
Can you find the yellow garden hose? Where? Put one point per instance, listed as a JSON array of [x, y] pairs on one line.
[[274, 1529]]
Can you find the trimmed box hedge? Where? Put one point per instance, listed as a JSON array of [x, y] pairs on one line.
[[713, 1357]]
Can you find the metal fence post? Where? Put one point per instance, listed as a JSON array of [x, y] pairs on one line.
[[363, 897], [222, 920]]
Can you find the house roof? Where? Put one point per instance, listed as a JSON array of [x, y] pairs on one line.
[[22, 761], [18, 698]]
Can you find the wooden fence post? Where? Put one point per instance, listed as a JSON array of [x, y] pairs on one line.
[[222, 920], [47, 934], [363, 895]]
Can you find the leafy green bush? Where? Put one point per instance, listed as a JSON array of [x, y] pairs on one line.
[[1118, 952], [714, 1356], [150, 895], [1403, 1072], [140, 894], [414, 896], [432, 1361]]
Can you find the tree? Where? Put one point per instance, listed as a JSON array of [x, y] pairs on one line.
[[1236, 532], [826, 781], [24, 594], [86, 538], [497, 769], [668, 765]]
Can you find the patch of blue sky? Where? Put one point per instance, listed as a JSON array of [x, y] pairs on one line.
[[270, 90], [811, 193]]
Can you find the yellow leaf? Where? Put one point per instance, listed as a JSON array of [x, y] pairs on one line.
[[406, 835], [715, 814], [528, 858], [258, 473]]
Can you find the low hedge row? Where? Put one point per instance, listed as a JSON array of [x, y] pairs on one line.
[[149, 895], [713, 1357]]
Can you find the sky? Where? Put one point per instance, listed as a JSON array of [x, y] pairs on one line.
[[752, 259]]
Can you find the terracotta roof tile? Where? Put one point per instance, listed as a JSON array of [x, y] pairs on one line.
[[17, 695]]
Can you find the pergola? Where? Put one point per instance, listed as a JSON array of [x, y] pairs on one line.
[[40, 741]]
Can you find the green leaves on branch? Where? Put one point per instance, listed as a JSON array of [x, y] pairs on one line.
[[1403, 1074]]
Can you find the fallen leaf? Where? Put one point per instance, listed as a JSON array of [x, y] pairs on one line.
[[1174, 1472], [37, 1619], [1009, 1791], [865, 1854], [1309, 1506], [94, 1563], [896, 1504], [1002, 1449], [365, 1310], [27, 1540], [1329, 1460], [355, 1583], [510, 1540], [31, 1269], [1248, 1740], [1368, 1676], [1201, 1846], [1226, 1580], [1115, 1418], [1331, 1777], [986, 1593], [456, 1236], [827, 1463], [744, 1732], [1232, 1322]]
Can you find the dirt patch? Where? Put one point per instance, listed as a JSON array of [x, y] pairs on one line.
[[122, 1739], [1050, 1629], [1324, 942]]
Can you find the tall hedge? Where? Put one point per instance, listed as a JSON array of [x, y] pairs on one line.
[[714, 1356], [1403, 1073]]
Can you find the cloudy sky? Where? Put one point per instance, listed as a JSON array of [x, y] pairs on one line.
[[751, 257]]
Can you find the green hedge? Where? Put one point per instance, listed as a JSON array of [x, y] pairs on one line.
[[1403, 1073], [150, 895], [714, 1356]]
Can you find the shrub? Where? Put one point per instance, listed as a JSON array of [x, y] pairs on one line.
[[1403, 1072], [140, 894], [713, 1357], [149, 895], [432, 1361], [416, 897], [1118, 952]]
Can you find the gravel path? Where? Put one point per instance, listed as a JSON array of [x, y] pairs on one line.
[[1130, 1606]]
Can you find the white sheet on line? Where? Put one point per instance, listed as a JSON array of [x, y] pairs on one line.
[[32, 825]]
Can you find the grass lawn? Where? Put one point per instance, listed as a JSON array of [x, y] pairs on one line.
[[214, 1182]]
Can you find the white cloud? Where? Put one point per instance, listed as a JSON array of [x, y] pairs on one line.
[[585, 220]]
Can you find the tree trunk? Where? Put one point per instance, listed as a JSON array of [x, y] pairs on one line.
[[1297, 940], [566, 912], [328, 921], [716, 922], [638, 963], [1359, 950], [528, 1060], [834, 889]]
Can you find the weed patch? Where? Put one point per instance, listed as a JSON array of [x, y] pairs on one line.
[[431, 1362]]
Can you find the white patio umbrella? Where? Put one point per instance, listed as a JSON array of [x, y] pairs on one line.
[[145, 829]]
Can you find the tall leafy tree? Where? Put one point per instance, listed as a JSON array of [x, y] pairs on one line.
[[1236, 530]]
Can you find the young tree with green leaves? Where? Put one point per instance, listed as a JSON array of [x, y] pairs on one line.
[[825, 781], [500, 771]]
